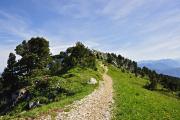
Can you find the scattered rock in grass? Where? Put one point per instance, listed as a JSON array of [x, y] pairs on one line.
[[92, 81], [33, 104]]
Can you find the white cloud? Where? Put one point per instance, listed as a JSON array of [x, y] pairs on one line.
[[135, 29], [14, 24], [13, 28], [167, 21], [156, 47]]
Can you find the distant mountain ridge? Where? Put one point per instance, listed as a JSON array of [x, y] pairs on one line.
[[164, 66]]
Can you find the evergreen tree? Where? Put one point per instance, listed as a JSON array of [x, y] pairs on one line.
[[9, 74], [11, 62], [79, 55], [153, 80], [109, 58], [35, 55]]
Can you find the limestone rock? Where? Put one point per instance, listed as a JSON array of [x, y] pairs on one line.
[[92, 81]]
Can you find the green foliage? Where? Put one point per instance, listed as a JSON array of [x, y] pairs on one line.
[[63, 78], [8, 76], [1, 83], [54, 92], [55, 67], [35, 54], [34, 59], [39, 72], [168, 82], [109, 58], [79, 55], [133, 102], [45, 78], [153, 81], [11, 61]]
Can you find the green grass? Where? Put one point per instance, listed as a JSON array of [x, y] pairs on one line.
[[75, 80], [133, 102]]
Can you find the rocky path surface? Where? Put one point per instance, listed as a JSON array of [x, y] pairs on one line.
[[96, 106]]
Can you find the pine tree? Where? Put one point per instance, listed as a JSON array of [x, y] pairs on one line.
[[153, 80], [9, 74], [35, 55]]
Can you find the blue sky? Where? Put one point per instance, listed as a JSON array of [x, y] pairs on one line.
[[137, 29]]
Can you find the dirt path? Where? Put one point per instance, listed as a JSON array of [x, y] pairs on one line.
[[96, 106]]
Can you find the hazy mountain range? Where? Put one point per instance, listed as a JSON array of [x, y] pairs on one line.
[[165, 66]]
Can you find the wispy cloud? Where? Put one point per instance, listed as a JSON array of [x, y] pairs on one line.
[[14, 24], [120, 9], [14, 28], [139, 29], [167, 21]]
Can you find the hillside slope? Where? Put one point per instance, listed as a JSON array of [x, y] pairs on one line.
[[132, 101], [95, 106], [75, 80]]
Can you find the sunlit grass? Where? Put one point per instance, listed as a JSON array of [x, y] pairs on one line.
[[74, 80], [133, 102]]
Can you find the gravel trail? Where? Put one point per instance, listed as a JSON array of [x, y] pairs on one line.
[[96, 106]]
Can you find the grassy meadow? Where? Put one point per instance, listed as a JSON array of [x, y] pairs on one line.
[[133, 102]]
